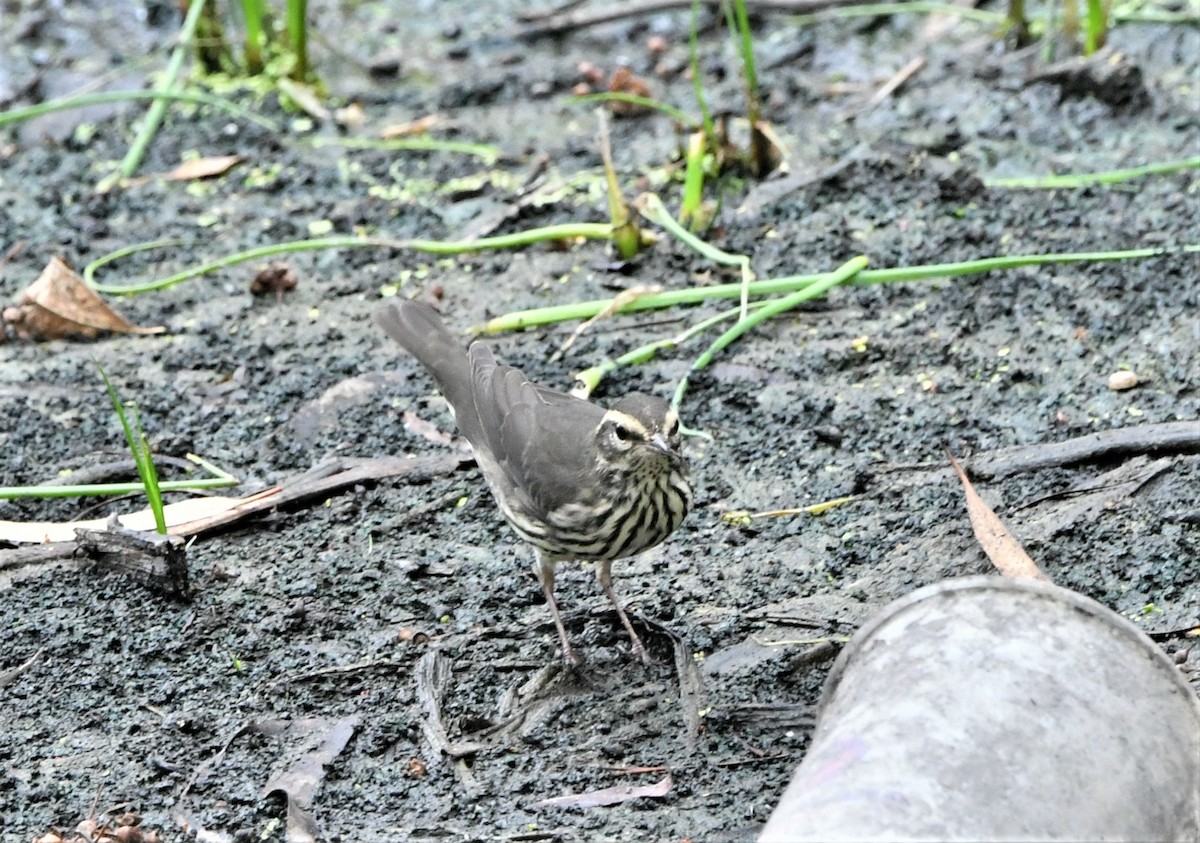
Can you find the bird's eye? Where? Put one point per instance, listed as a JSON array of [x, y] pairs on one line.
[[623, 433], [673, 427]]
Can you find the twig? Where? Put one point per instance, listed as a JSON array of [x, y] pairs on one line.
[[558, 24], [1154, 439], [901, 76], [9, 675], [340, 670], [432, 676]]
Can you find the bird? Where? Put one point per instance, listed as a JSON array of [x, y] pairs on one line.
[[573, 479]]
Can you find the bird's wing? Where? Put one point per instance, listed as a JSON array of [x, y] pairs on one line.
[[540, 440]]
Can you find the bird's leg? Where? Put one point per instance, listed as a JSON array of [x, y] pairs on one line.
[[604, 577], [543, 568]]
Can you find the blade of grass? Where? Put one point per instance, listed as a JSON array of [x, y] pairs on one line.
[[590, 378], [591, 231], [253, 14], [626, 236], [140, 449], [1096, 26], [297, 31], [693, 183], [1069, 180], [518, 320], [919, 7], [16, 115], [220, 480], [158, 108], [678, 115], [710, 132], [487, 152], [89, 271], [761, 160], [841, 275]]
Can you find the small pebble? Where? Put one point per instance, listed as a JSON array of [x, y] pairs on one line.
[[1124, 379]]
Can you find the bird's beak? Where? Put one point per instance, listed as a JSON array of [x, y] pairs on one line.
[[659, 442]]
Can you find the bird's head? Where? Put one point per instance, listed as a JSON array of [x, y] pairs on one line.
[[640, 429]]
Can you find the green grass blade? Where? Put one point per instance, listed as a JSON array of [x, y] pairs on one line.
[[158, 108], [1077, 180], [676, 114], [710, 132], [252, 15], [520, 319], [141, 454], [16, 115], [297, 30], [841, 275]]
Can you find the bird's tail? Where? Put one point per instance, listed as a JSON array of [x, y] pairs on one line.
[[420, 330]]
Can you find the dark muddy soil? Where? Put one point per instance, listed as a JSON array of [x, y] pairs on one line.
[[302, 615]]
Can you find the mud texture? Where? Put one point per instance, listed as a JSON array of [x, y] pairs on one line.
[[395, 625]]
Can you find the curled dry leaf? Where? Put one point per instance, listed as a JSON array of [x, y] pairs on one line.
[[204, 168], [1001, 546], [59, 305]]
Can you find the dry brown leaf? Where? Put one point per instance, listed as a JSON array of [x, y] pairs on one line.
[[203, 168], [608, 796], [58, 304], [997, 542]]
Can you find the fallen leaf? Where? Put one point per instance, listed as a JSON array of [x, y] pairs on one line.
[[997, 542], [322, 413], [608, 796], [299, 782], [58, 305], [203, 168]]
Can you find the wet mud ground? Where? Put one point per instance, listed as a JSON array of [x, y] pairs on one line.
[[172, 707]]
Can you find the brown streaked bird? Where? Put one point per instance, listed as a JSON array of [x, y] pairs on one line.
[[576, 481]]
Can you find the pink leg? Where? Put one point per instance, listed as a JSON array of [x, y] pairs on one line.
[[544, 570], [604, 576]]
